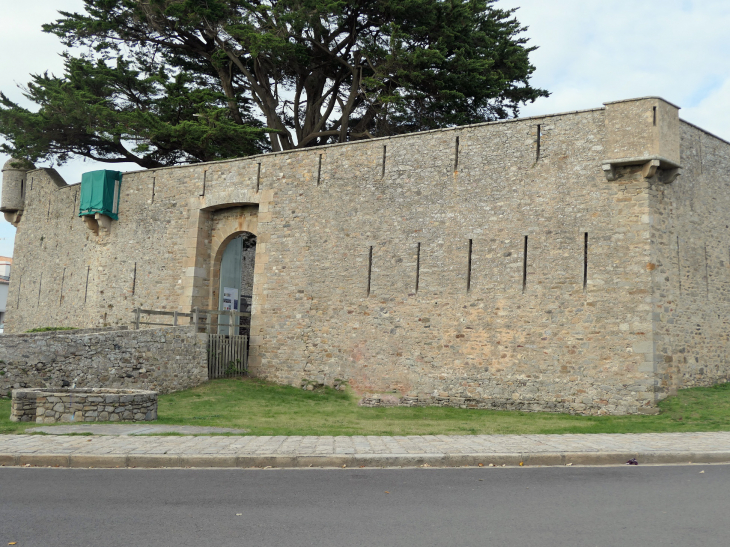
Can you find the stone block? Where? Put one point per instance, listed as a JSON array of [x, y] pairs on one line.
[[147, 406]]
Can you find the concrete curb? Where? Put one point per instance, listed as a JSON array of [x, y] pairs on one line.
[[157, 461]]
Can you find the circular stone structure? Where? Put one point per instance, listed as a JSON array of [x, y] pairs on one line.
[[50, 405], [14, 174]]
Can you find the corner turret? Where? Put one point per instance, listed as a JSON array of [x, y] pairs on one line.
[[13, 190], [642, 132]]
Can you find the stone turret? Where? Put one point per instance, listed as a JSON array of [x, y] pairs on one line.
[[14, 188], [642, 132]]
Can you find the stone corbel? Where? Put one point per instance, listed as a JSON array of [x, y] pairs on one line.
[[668, 176], [667, 170], [105, 223], [609, 171], [91, 223], [13, 217], [99, 224], [649, 169]]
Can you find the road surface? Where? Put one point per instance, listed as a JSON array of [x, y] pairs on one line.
[[640, 506]]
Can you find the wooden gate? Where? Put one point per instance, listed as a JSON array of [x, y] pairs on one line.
[[227, 355]]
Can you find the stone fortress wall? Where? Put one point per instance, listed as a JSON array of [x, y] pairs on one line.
[[398, 265], [691, 261]]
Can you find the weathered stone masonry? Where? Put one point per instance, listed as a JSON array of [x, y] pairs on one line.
[[161, 359], [400, 268], [49, 405]]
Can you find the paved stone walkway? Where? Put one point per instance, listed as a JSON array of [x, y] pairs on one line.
[[370, 451], [135, 429]]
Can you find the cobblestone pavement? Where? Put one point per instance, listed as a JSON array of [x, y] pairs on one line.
[[426, 450]]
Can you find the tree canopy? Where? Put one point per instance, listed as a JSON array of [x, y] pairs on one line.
[[163, 82]]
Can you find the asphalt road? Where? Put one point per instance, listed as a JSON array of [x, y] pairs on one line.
[[639, 506]]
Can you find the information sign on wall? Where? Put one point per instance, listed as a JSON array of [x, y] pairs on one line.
[[230, 299]]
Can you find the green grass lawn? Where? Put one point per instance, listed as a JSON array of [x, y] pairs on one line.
[[263, 408]]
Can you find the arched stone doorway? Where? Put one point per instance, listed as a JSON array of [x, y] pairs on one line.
[[230, 229], [235, 268]]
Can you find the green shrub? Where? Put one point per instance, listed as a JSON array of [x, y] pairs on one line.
[[49, 329]]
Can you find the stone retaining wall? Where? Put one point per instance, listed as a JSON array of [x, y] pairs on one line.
[[386, 400], [163, 359], [51, 405]]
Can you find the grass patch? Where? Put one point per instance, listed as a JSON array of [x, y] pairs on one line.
[[50, 329], [6, 426], [178, 434], [264, 408], [269, 409]]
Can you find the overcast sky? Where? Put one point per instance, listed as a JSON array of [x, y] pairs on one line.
[[590, 52]]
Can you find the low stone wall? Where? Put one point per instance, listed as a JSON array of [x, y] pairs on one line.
[[492, 404], [74, 331], [164, 359], [51, 405]]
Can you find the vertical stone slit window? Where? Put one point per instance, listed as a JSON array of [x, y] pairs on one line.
[[701, 164], [585, 260], [370, 268], [524, 267], [205, 177], [63, 278], [707, 275], [654, 111], [456, 155], [418, 264], [679, 268], [319, 170], [86, 289], [22, 188], [258, 178], [385, 152], [468, 268], [539, 138], [134, 279], [153, 189]]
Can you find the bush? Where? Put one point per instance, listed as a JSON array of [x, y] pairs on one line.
[[49, 329]]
